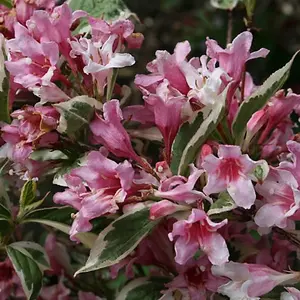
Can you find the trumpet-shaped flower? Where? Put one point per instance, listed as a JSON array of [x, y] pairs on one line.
[[230, 171], [199, 232]]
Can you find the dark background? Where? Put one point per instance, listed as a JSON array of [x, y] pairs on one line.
[[166, 22]]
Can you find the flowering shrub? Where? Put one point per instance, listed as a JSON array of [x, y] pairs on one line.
[[194, 194]]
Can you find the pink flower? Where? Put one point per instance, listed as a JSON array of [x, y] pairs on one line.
[[199, 232], [55, 27], [291, 294], [32, 63], [109, 184], [233, 58], [166, 66], [294, 165], [166, 107], [180, 188], [58, 291], [25, 9], [249, 281], [87, 296], [110, 132], [102, 30], [164, 208], [100, 59], [281, 199], [195, 280], [31, 128], [10, 284], [231, 172]]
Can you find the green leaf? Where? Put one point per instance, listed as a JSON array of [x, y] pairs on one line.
[[4, 213], [250, 6], [27, 269], [6, 3], [143, 288], [76, 113], [118, 240], [47, 154], [224, 4], [259, 99], [28, 193], [59, 218], [192, 135], [106, 9], [222, 204]]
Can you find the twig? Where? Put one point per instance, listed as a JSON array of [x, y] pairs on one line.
[[229, 27]]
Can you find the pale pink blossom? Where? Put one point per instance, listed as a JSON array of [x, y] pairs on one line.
[[294, 164], [281, 199], [100, 59], [181, 189], [291, 294], [164, 208], [249, 281], [231, 171], [199, 232], [124, 29]]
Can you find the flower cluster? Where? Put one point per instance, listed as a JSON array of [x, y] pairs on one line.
[[197, 187]]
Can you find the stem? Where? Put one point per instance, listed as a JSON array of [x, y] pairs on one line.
[[229, 27], [243, 83]]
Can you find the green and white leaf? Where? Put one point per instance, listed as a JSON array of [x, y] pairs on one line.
[[28, 193], [192, 135], [143, 288], [76, 113], [27, 269], [224, 4], [106, 9], [258, 100], [47, 154], [35, 251], [59, 218], [118, 240], [223, 204], [4, 84]]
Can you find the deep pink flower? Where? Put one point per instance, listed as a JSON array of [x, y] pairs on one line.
[[109, 184], [199, 232], [233, 58], [124, 29], [167, 108], [250, 280], [195, 280], [281, 199], [58, 291], [231, 172], [166, 66], [180, 188], [10, 284], [87, 296], [164, 208], [31, 128], [109, 131]]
